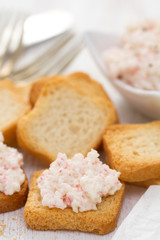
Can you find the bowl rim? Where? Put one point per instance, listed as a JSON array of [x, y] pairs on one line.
[[134, 90]]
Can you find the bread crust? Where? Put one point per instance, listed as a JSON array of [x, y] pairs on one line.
[[80, 79], [101, 221], [26, 142], [9, 131], [133, 164], [15, 201], [147, 183], [37, 88], [23, 91]]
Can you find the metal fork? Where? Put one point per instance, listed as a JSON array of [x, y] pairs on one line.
[[53, 61], [11, 35]]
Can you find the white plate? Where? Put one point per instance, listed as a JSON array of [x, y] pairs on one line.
[[147, 102]]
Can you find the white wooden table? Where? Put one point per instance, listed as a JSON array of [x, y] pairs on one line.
[[102, 15]]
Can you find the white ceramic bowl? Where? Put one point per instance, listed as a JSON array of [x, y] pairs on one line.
[[147, 102]]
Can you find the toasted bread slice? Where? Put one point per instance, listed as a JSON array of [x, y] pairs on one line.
[[87, 84], [79, 79], [12, 107], [23, 90], [101, 221], [37, 87], [147, 183], [15, 201], [134, 150], [64, 119]]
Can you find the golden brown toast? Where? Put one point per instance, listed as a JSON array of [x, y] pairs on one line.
[[101, 221], [134, 150], [64, 119], [14, 201]]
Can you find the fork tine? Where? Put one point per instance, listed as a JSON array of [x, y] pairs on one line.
[[5, 19], [6, 37], [17, 33], [65, 55], [68, 59], [32, 68], [14, 49]]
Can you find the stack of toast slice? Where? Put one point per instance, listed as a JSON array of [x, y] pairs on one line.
[[70, 114]]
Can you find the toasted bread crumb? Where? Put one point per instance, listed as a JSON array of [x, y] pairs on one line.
[[2, 227]]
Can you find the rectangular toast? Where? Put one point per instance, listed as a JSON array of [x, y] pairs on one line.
[[101, 221], [134, 150]]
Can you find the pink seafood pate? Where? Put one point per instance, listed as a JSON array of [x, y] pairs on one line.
[[79, 183], [137, 60], [11, 174]]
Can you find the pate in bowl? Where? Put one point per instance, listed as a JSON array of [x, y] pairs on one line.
[[132, 64]]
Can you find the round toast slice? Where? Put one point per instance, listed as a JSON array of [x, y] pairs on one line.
[[64, 119], [15, 201]]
